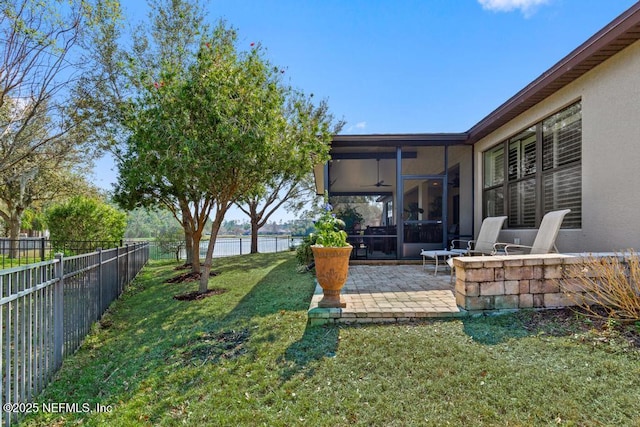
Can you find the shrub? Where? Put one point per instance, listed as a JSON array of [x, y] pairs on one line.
[[304, 254], [85, 219], [611, 284]]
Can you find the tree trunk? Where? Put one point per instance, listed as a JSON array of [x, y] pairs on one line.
[[215, 228], [14, 235], [254, 235], [195, 252], [188, 245]]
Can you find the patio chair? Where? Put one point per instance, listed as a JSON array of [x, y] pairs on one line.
[[545, 241], [487, 237]]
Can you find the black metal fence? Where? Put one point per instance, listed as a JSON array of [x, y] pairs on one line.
[[35, 249], [46, 310]]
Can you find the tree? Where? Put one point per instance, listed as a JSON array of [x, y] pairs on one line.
[[33, 222], [233, 227], [305, 123], [186, 136], [369, 212], [36, 51], [155, 63], [43, 135], [205, 134], [46, 173], [85, 219], [151, 223]]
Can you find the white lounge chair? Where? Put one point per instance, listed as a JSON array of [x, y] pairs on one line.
[[483, 245], [545, 241], [487, 237]]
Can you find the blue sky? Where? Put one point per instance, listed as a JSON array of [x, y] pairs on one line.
[[394, 66]]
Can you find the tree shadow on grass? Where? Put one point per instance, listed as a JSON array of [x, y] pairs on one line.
[[281, 290], [317, 343], [248, 262], [284, 290], [148, 336]]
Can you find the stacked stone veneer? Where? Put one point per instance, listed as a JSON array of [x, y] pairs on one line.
[[516, 282]]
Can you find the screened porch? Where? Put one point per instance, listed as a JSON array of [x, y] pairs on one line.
[[399, 194]]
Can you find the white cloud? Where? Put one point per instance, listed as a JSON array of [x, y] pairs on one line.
[[526, 6], [357, 127]]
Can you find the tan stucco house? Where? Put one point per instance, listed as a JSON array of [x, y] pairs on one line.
[[569, 139]]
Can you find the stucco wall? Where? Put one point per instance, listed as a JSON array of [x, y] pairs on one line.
[[610, 95]]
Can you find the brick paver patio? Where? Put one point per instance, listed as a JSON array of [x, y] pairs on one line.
[[389, 293]]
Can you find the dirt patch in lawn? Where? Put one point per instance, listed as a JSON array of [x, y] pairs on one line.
[[211, 347], [196, 295]]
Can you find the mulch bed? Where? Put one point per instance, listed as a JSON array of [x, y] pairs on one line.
[[195, 295], [576, 320]]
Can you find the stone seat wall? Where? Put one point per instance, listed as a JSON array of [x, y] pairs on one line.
[[490, 283]]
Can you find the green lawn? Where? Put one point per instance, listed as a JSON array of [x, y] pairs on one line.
[[246, 357]]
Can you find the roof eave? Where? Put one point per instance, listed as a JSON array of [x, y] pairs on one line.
[[617, 35], [405, 139]]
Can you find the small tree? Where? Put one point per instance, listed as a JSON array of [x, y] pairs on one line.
[[307, 125], [171, 242], [85, 219], [205, 134]]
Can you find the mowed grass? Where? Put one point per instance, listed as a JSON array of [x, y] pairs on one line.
[[247, 357]]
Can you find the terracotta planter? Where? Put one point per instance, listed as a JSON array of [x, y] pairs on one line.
[[332, 267]]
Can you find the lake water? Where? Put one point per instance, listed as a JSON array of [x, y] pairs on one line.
[[228, 246]]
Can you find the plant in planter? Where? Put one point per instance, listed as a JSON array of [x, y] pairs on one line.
[[351, 217], [331, 254]]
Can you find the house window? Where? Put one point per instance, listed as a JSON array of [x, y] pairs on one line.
[[494, 181], [562, 164], [542, 172], [521, 173]]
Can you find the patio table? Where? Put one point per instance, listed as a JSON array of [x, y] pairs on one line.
[[435, 255]]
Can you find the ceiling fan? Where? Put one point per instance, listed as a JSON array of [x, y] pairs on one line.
[[380, 182]]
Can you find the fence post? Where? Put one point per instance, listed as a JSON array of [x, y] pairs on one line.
[[126, 265], [100, 287], [240, 245], [58, 314], [117, 261], [42, 243]]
